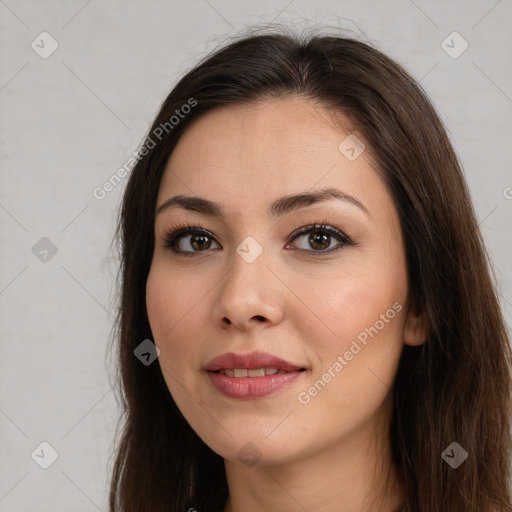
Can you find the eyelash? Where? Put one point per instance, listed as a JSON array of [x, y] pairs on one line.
[[176, 232]]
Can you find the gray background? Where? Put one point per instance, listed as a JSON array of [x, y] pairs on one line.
[[71, 120]]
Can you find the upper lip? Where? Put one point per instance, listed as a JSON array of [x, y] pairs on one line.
[[250, 361]]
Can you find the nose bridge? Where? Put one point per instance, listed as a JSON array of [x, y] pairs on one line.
[[249, 290], [247, 275]]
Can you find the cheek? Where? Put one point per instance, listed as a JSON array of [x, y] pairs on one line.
[[337, 309], [170, 305], [172, 300], [358, 314], [356, 345]]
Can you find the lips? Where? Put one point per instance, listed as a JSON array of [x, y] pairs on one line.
[[250, 361], [251, 375]]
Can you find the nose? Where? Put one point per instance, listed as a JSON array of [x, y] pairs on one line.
[[249, 296]]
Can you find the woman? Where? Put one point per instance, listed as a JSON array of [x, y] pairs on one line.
[[299, 243]]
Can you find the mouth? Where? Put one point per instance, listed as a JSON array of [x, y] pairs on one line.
[[238, 373], [251, 375]]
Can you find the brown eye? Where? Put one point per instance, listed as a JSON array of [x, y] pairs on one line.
[[319, 239], [192, 240], [200, 242], [189, 240]]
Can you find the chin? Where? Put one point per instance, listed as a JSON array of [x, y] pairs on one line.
[[250, 450]]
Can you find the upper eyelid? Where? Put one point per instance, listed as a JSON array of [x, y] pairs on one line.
[[297, 231]]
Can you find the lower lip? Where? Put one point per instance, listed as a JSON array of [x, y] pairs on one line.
[[252, 387]]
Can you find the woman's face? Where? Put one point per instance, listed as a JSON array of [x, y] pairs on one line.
[[330, 301]]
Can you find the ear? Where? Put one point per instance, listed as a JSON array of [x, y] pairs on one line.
[[415, 328]]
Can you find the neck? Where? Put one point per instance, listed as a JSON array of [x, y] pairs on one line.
[[356, 474]]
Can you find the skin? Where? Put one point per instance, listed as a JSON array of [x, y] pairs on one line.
[[332, 453]]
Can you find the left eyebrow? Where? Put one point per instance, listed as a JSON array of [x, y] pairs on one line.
[[278, 208]]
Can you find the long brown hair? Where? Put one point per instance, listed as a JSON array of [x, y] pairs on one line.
[[456, 387]]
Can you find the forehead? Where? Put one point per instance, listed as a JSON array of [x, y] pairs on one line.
[[270, 148]]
